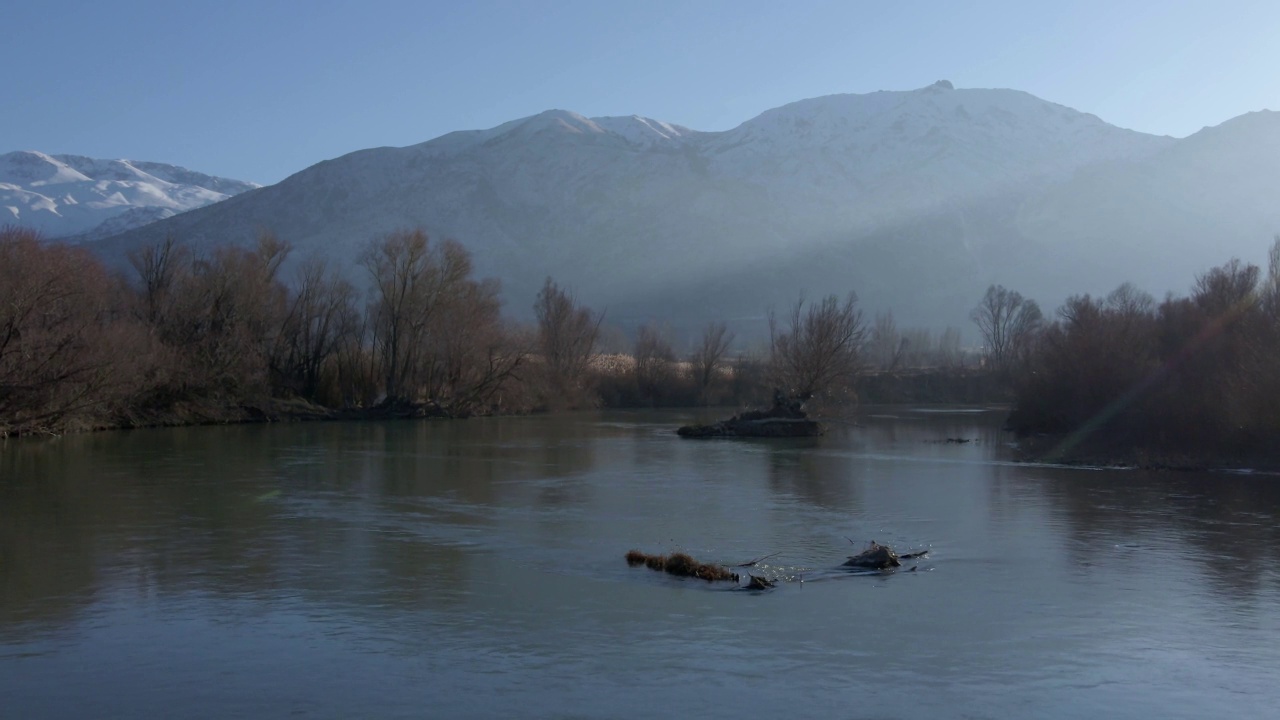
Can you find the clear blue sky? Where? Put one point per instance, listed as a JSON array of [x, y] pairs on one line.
[[258, 90]]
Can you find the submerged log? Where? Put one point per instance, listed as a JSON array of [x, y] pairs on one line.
[[875, 557], [786, 418], [681, 565]]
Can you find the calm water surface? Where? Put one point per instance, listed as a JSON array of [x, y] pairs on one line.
[[474, 569]]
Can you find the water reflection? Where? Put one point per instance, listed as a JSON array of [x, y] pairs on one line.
[[482, 560], [1228, 525], [799, 469]]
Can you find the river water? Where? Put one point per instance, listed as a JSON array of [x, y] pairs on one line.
[[475, 569]]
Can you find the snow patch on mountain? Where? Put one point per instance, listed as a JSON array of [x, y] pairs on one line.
[[73, 195]]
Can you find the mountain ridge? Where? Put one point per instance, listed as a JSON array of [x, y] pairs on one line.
[[880, 184], [67, 196]]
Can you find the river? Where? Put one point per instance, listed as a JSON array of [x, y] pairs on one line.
[[475, 569]]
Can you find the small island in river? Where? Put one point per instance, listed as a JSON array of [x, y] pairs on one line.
[[786, 418]]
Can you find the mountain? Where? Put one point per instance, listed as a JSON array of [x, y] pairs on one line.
[[915, 199], [70, 195], [1203, 200]]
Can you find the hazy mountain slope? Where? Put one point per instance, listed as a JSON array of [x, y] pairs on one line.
[[1156, 220], [1209, 197], [915, 199], [72, 195]]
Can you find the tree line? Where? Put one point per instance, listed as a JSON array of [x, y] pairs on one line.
[[1194, 374], [183, 338]]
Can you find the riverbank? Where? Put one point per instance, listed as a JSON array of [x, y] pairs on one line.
[[1058, 449], [1076, 450], [196, 413]]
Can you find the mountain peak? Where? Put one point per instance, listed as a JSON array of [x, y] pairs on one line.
[[34, 168], [917, 198], [64, 195]]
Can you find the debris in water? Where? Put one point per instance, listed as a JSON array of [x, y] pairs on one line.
[[681, 565], [757, 561]]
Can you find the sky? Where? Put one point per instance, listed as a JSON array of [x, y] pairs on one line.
[[257, 90]]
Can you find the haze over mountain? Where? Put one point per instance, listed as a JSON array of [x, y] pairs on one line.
[[915, 199], [72, 195]]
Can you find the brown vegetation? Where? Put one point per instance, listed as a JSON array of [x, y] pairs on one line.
[[230, 336], [681, 565], [566, 342], [1195, 376], [708, 358], [437, 332], [1009, 323], [64, 342], [224, 338], [654, 359], [890, 350], [818, 353]]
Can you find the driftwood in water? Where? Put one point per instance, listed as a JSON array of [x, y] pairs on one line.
[[880, 557], [786, 418], [874, 557], [681, 565]]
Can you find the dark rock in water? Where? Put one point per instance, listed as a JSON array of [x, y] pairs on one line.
[[775, 428], [875, 557], [786, 419], [759, 583]]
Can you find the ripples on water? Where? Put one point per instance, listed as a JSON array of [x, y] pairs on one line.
[[474, 569]]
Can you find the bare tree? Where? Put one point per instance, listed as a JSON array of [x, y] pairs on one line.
[[407, 275], [1225, 291], [357, 373], [653, 356], [437, 332], [224, 317], [567, 334], [321, 317], [1128, 300], [57, 354], [916, 349], [708, 356], [1008, 323], [885, 345], [472, 353], [818, 353], [948, 350], [160, 269]]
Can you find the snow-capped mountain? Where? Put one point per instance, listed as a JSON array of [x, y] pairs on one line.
[[71, 195], [915, 199]]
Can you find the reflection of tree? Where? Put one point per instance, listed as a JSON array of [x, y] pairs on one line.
[[368, 517], [911, 433], [469, 461], [827, 481], [47, 568], [1229, 524], [226, 513]]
